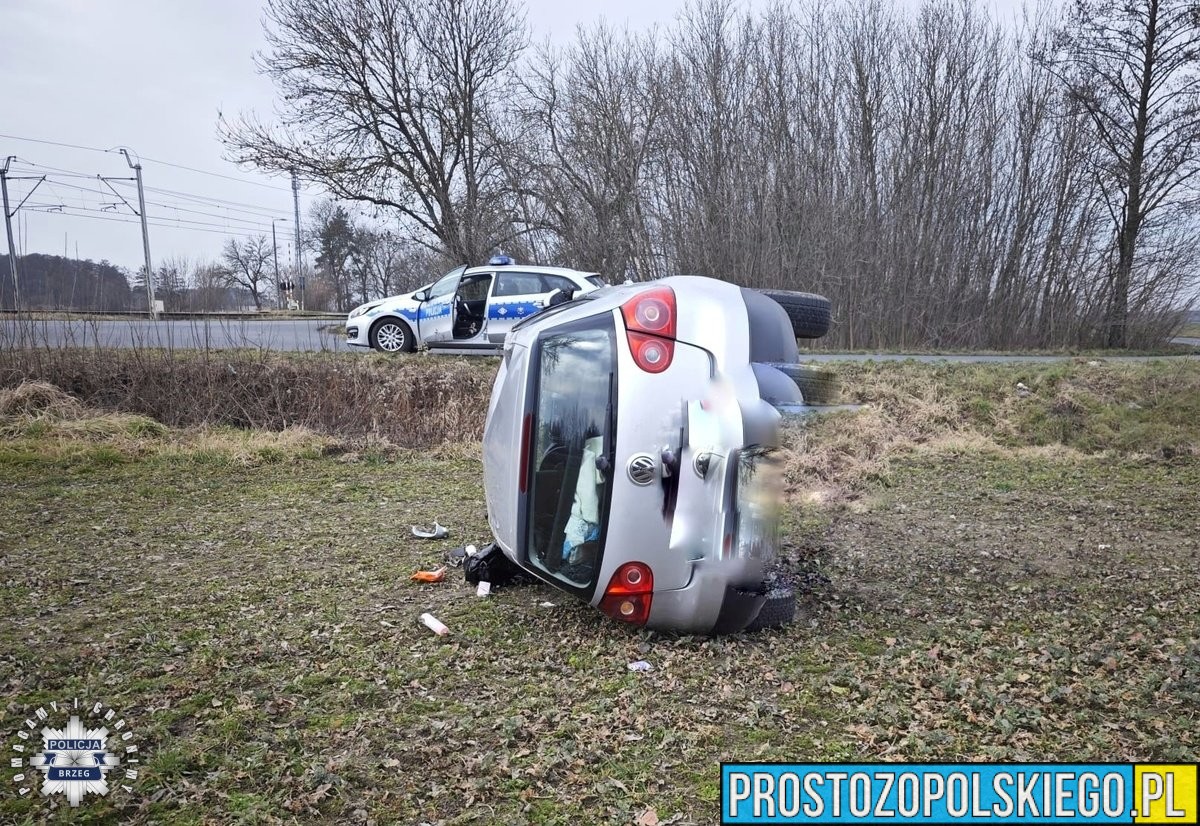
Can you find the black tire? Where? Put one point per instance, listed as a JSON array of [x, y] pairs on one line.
[[391, 335], [778, 610], [816, 385], [810, 314]]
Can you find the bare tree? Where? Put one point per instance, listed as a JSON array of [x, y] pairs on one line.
[[921, 167], [246, 265], [581, 145], [171, 280], [386, 102], [1135, 68]]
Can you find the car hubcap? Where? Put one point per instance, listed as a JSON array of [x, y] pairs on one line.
[[390, 337]]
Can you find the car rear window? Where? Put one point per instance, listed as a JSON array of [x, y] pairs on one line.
[[597, 281], [571, 483]]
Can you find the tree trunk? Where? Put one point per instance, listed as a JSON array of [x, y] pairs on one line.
[[1132, 218]]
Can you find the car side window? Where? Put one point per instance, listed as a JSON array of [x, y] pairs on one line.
[[517, 283], [558, 282], [446, 284]]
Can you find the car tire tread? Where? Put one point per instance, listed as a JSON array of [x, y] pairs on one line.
[[817, 386], [809, 313], [778, 610]]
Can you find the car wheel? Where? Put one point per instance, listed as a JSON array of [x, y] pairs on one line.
[[390, 335], [816, 385], [809, 313], [778, 610]]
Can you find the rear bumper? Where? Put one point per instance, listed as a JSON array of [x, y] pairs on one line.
[[720, 599]]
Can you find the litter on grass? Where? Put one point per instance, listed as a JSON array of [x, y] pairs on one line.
[[436, 575], [436, 532], [435, 625], [458, 556], [640, 665]]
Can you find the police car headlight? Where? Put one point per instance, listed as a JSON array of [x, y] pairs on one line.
[[365, 309]]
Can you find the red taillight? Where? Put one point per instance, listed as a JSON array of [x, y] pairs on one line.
[[650, 328], [627, 597], [525, 425], [651, 353]]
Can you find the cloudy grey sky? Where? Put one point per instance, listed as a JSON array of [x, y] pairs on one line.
[[152, 76]]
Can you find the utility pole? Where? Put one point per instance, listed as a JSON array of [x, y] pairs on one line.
[[137, 170], [275, 257], [12, 253], [299, 249], [8, 215]]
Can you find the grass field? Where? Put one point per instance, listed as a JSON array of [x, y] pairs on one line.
[[994, 575]]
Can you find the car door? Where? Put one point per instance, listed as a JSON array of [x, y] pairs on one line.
[[435, 317], [515, 295]]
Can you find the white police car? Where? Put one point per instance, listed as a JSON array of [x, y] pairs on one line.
[[469, 308]]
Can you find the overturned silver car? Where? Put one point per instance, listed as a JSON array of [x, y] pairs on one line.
[[627, 449]]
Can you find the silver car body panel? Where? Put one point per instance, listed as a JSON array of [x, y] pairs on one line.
[[704, 409]]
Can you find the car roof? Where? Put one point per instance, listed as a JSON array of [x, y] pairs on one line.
[[532, 269]]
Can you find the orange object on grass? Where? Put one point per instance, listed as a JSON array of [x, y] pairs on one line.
[[429, 576]]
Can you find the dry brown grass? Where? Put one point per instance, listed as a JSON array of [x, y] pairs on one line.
[[37, 399], [1063, 411], [414, 402], [39, 416]]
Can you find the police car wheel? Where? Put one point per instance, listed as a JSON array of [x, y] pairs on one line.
[[391, 336]]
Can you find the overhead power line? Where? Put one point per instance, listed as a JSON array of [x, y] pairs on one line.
[[222, 202], [78, 212], [147, 158], [255, 219]]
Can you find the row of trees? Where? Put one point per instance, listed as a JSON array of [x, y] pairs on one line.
[[944, 179], [51, 281], [355, 260]]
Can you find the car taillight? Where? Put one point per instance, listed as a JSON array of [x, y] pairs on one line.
[[627, 597], [525, 426], [652, 354], [650, 328]]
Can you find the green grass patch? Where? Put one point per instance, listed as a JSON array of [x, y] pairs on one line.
[[252, 616]]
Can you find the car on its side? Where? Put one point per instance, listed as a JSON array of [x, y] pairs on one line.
[[469, 308], [627, 448]]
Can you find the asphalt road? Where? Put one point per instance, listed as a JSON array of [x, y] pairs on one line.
[[188, 334], [313, 335]]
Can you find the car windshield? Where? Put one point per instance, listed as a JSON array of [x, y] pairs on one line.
[[572, 451]]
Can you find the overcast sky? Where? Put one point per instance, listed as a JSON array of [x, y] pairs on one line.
[[152, 76]]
